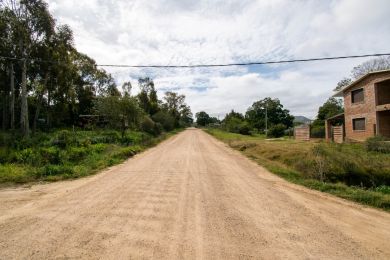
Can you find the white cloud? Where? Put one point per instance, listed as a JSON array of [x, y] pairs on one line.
[[194, 32]]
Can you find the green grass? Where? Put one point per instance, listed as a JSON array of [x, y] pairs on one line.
[[348, 171], [67, 155]]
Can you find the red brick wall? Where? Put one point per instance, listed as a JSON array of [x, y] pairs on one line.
[[366, 109], [302, 133]]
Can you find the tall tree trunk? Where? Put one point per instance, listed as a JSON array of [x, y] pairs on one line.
[[39, 102], [4, 116], [12, 101], [24, 124], [48, 110]]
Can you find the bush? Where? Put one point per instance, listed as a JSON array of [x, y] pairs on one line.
[[98, 148], [64, 138], [27, 156], [165, 119], [50, 155], [76, 154], [244, 129], [378, 144], [50, 170], [150, 127], [237, 125], [276, 131], [14, 173], [110, 137], [127, 152]]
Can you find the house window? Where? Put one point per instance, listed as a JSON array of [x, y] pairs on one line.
[[359, 124], [357, 95]]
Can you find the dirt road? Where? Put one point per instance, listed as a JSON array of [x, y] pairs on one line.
[[191, 197]]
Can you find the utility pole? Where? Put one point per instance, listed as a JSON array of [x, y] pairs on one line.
[[266, 119]]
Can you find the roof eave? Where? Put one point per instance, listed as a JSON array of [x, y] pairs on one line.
[[340, 93]]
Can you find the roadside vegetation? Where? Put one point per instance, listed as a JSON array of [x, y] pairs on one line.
[[358, 172], [67, 154], [354, 171]]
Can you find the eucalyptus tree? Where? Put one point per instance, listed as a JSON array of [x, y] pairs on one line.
[[31, 24]]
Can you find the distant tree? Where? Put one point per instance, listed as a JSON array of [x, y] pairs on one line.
[[176, 106], [202, 118], [331, 107], [235, 122], [126, 88], [122, 112], [276, 114], [233, 114], [185, 116], [380, 63], [148, 96], [343, 83]]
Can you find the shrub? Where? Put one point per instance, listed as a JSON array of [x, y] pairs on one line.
[[110, 137], [165, 119], [276, 130], [127, 152], [50, 155], [64, 138], [14, 173], [76, 154], [98, 148], [378, 144], [237, 125], [148, 126], [244, 128], [50, 169], [27, 156]]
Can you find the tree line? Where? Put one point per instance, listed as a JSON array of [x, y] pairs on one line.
[[46, 83], [264, 116]]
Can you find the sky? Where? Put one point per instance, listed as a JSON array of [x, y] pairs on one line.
[[185, 32]]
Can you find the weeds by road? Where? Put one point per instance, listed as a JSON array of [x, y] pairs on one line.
[[348, 171], [67, 154]]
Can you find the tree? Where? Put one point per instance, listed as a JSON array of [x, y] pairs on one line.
[[331, 107], [148, 96], [176, 106], [185, 116], [126, 88], [276, 114], [343, 83], [31, 25], [380, 63], [235, 122], [165, 119], [202, 118], [122, 112]]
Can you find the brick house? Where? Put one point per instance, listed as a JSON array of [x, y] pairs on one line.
[[366, 109]]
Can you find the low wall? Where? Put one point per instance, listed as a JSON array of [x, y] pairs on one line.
[[302, 133]]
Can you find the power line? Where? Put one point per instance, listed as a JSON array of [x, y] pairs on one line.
[[246, 63], [214, 65]]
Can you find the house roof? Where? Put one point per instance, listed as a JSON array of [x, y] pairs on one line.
[[335, 116], [340, 92]]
